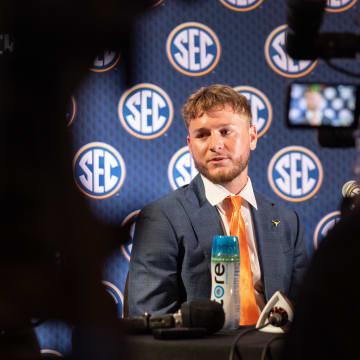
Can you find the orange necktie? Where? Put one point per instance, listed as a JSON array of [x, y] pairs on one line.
[[249, 312]]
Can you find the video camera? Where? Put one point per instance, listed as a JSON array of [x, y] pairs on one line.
[[305, 42]]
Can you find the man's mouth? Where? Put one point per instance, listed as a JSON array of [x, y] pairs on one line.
[[218, 159]]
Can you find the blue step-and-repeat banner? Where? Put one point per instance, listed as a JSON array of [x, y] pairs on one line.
[[129, 142]]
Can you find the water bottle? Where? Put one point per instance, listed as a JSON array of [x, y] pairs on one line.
[[225, 266]]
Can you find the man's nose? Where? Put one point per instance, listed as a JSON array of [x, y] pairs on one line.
[[216, 142]]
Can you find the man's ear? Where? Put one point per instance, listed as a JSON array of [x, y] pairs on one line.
[[253, 137], [189, 143]]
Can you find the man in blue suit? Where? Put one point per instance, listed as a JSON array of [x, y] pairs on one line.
[[170, 260]]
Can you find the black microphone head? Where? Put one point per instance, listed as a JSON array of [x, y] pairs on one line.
[[206, 314]]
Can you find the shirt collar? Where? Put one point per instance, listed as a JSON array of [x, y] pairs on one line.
[[216, 193]]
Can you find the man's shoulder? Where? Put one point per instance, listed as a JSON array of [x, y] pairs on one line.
[[170, 197], [172, 200]]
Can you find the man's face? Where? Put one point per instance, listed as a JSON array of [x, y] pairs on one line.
[[313, 100], [220, 142]]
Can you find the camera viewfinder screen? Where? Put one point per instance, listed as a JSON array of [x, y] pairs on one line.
[[316, 105]]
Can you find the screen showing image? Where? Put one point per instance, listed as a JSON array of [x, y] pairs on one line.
[[315, 105]]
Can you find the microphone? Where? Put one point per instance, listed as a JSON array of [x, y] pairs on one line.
[[277, 314], [351, 197], [350, 189], [205, 314]]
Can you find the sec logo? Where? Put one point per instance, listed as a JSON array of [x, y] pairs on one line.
[[115, 293], [158, 3], [50, 353], [241, 5], [99, 170], [71, 113], [181, 169], [339, 5], [129, 223], [193, 49], [145, 111], [324, 225], [295, 173], [105, 61], [261, 109], [280, 61]]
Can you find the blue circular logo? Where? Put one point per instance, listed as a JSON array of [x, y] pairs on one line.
[[261, 109], [115, 293], [158, 3], [181, 169], [218, 291], [71, 113], [50, 353], [129, 222], [295, 173], [339, 6], [105, 61], [99, 170], [193, 49], [145, 111], [241, 5], [324, 225], [280, 61]]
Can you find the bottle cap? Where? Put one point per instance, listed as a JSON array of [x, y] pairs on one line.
[[225, 245]]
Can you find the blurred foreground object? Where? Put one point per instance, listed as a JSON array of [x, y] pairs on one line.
[[52, 246]]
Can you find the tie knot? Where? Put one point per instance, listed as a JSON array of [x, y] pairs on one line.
[[235, 202]]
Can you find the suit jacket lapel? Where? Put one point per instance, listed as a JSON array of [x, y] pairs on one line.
[[267, 241], [203, 216]]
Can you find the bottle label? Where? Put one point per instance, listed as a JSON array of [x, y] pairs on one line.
[[225, 290]]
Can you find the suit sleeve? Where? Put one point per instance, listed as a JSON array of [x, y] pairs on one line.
[[153, 274]]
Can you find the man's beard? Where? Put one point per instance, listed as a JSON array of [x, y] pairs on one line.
[[224, 177]]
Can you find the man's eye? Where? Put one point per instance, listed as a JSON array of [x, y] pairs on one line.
[[200, 136], [225, 132]]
